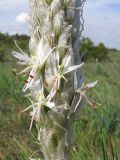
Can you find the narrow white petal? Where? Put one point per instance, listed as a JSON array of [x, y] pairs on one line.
[[22, 63], [54, 61], [40, 49], [50, 105], [57, 57], [79, 100], [18, 55], [19, 48], [28, 85], [52, 94], [91, 84], [21, 56], [72, 68], [66, 63], [32, 119], [53, 91], [30, 80], [46, 57]]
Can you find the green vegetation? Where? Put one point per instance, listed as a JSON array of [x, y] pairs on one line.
[[90, 52], [7, 45], [96, 131]]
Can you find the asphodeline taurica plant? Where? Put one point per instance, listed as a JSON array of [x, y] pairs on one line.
[[55, 82]]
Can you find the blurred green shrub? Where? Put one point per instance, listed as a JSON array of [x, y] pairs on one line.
[[91, 52]]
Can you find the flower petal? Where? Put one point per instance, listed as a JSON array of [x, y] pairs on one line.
[[47, 55], [72, 68], [66, 61], [32, 119], [22, 63], [50, 105], [91, 84], [21, 56], [30, 80], [78, 103]]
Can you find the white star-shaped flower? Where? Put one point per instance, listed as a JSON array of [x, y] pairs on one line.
[[35, 62]]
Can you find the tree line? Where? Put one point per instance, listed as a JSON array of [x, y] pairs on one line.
[[92, 52], [89, 51]]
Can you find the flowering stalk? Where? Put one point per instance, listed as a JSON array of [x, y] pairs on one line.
[[54, 68]]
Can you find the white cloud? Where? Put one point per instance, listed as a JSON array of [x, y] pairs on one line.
[[22, 17]]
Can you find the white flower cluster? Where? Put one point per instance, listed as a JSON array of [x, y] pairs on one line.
[[36, 82], [54, 70]]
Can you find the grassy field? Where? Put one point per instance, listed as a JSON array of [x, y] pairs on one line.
[[96, 133]]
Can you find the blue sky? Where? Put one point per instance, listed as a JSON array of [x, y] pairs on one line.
[[102, 19], [9, 11]]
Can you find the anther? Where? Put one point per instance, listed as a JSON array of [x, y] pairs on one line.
[[26, 81], [31, 76], [46, 83]]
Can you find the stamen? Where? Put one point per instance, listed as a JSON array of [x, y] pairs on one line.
[[14, 71], [85, 88], [46, 84], [26, 81], [93, 104], [36, 120], [64, 78], [18, 110], [31, 76]]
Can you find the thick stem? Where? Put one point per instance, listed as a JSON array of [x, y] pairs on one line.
[[55, 138], [59, 24]]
